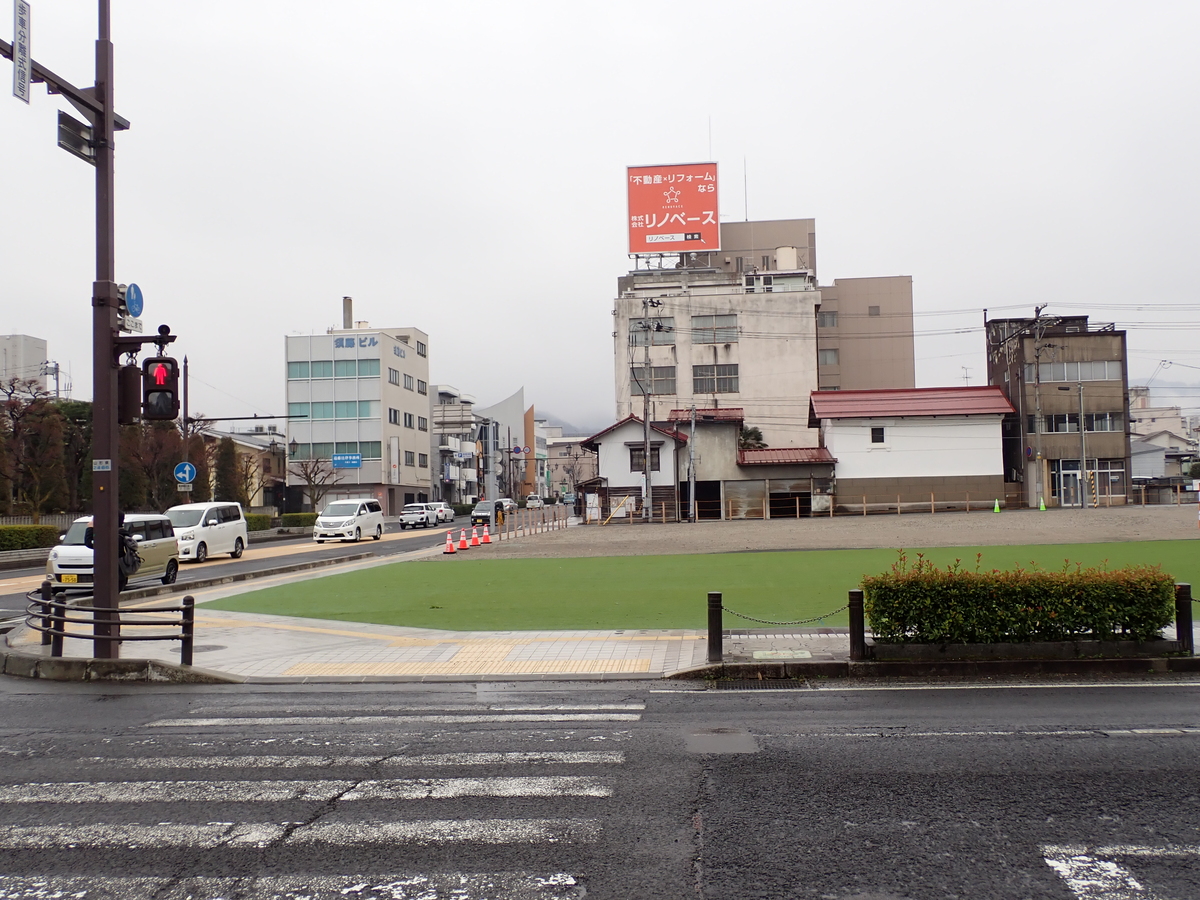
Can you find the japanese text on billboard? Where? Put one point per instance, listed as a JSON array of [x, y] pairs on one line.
[[673, 208]]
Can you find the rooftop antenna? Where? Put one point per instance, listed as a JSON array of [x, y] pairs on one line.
[[745, 189], [967, 375]]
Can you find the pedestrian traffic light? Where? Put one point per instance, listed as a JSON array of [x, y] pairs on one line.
[[160, 388]]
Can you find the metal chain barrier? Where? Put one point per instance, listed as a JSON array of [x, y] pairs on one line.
[[800, 622]]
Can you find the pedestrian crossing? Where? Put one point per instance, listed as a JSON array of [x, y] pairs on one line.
[[362, 819]]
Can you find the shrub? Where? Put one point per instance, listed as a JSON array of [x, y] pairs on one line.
[[463, 509], [921, 603], [257, 522], [298, 520], [27, 537]]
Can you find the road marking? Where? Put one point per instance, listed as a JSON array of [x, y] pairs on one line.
[[428, 707], [399, 720], [310, 791], [264, 834], [1091, 874], [1086, 732], [566, 758]]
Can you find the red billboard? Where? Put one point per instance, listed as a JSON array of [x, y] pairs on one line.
[[673, 208]]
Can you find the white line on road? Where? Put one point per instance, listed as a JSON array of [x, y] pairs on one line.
[[565, 758], [312, 791], [1092, 876], [366, 708], [399, 720], [1086, 732]]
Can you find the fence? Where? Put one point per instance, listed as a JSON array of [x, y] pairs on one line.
[[61, 521], [521, 522]]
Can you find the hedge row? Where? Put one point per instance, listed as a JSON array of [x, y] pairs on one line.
[[27, 537], [298, 520], [921, 603], [257, 522]]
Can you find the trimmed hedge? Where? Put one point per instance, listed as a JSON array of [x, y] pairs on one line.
[[27, 537], [923, 604], [462, 509], [298, 520], [257, 522]]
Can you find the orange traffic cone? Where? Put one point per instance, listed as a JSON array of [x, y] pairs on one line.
[[449, 542], [474, 535], [462, 540], [487, 538]]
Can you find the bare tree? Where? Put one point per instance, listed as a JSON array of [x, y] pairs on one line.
[[248, 476], [318, 475]]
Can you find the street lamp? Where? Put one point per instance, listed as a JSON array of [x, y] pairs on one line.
[[293, 448], [1082, 450]]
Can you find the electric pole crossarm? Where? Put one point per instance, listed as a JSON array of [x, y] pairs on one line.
[[83, 99]]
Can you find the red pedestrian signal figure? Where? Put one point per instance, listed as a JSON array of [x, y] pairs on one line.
[[160, 388]]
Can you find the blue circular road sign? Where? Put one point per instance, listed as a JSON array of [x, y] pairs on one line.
[[134, 303], [185, 473]]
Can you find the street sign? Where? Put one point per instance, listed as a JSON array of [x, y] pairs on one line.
[[131, 325], [133, 301], [101, 465], [184, 488], [76, 137], [22, 61], [347, 460], [185, 473], [525, 450], [516, 449]]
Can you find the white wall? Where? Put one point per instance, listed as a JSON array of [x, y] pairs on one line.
[[916, 447], [614, 457]]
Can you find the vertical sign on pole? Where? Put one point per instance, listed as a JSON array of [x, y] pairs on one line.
[[22, 61]]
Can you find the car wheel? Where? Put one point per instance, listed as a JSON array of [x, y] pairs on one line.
[[201, 552], [378, 532], [402, 526], [238, 547], [357, 535], [319, 541], [172, 572]]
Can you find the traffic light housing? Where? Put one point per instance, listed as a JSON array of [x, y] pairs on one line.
[[160, 388]]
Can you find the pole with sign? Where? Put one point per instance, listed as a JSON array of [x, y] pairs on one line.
[[22, 61]]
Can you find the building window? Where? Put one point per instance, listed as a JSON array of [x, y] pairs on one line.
[[393, 376], [422, 350], [345, 368], [422, 423], [877, 434], [715, 379], [321, 368], [830, 387], [368, 409], [422, 387], [1096, 370], [661, 380], [873, 311], [297, 370], [393, 416], [302, 451], [410, 458], [298, 410], [714, 329], [660, 331], [408, 382], [322, 411], [423, 460], [827, 357], [1102, 421], [827, 320], [322, 450], [368, 367], [409, 420], [371, 449], [345, 409], [637, 459], [345, 447]]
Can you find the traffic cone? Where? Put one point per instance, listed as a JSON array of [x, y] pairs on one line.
[[474, 535], [462, 540], [1041, 504], [997, 507], [487, 538], [449, 542]]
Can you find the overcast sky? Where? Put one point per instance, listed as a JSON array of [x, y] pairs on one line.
[[459, 167]]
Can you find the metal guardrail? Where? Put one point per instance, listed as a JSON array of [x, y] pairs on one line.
[[50, 616]]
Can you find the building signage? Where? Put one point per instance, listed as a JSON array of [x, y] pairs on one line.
[[673, 208], [363, 341], [22, 61], [347, 460]]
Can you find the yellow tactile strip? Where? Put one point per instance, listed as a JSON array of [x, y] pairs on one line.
[[484, 665]]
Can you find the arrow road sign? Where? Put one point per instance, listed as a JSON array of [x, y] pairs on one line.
[[185, 473]]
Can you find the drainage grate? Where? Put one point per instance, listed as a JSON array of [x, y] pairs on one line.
[[759, 684]]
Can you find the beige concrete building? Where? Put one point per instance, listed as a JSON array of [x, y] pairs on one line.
[[865, 334]]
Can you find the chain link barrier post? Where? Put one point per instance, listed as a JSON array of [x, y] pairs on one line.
[[716, 652], [188, 623], [47, 598], [858, 635], [1183, 618]]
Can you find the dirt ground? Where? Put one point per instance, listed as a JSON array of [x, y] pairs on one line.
[[950, 529]]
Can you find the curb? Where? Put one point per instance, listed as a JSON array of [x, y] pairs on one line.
[[989, 668], [141, 671]]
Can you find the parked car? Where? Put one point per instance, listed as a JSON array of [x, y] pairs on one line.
[[349, 520], [443, 512], [486, 513], [415, 514], [508, 504], [207, 528], [71, 563], [534, 501]]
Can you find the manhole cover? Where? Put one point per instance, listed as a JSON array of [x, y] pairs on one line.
[[203, 648], [760, 684]]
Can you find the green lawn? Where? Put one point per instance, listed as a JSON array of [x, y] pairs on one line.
[[634, 592]]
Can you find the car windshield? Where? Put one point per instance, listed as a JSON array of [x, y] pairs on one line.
[[414, 507], [340, 510], [484, 506], [185, 518], [74, 535]]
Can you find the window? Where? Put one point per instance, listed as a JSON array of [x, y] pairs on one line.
[[422, 387], [322, 411], [877, 434], [368, 409], [714, 329], [345, 368], [321, 368], [322, 451], [1062, 423], [422, 350], [661, 380], [827, 357], [715, 379], [637, 459], [423, 460], [827, 320], [393, 376], [297, 370], [408, 382], [394, 416], [298, 410], [830, 387], [409, 421], [660, 331], [302, 451], [345, 447], [422, 423], [410, 458], [345, 409], [1102, 421], [872, 311], [370, 449], [1096, 370], [368, 367]]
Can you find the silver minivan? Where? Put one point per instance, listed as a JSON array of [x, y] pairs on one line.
[[207, 528], [349, 520]]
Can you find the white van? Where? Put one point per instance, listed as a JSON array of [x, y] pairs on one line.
[[207, 528], [349, 520]]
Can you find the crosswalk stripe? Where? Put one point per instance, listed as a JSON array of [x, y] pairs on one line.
[[431, 760], [399, 720], [316, 791], [264, 834]]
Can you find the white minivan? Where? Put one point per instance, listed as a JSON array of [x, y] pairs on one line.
[[349, 520], [207, 528]]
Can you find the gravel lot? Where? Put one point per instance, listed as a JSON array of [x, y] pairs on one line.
[[950, 529]]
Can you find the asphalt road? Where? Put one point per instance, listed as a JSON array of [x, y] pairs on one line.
[[606, 791], [258, 556]]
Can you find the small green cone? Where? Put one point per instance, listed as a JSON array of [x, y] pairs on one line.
[[997, 507], [1041, 504]]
